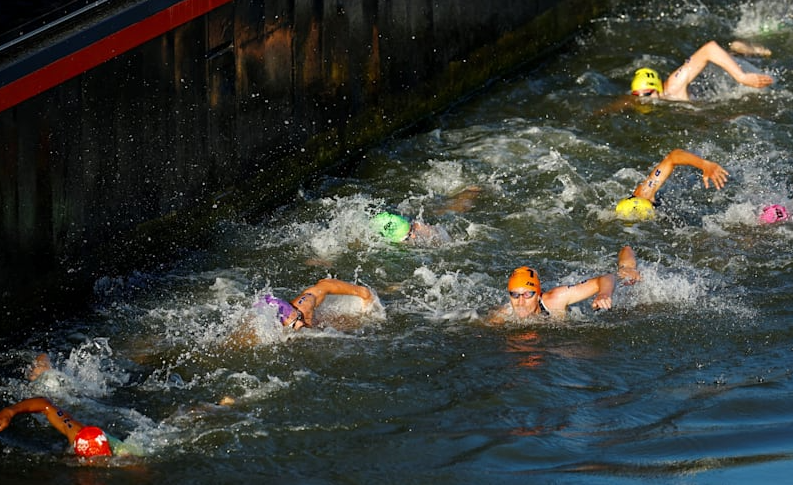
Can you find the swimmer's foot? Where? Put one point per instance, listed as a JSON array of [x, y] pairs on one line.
[[749, 49], [40, 365], [226, 401]]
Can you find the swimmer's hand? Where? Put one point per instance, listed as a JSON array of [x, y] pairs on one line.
[[713, 172], [601, 302], [628, 276], [755, 80]]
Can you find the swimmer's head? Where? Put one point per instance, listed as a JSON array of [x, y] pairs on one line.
[[393, 227], [635, 209], [91, 441], [645, 81], [284, 307], [773, 213], [524, 277]]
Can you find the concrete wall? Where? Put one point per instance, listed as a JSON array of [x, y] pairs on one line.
[[221, 117]]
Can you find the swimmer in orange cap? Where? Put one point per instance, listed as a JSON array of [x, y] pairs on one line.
[[526, 297], [646, 82], [640, 205]]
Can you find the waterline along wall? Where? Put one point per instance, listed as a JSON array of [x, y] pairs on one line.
[[130, 127]]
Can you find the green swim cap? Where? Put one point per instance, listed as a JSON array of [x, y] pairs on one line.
[[391, 226]]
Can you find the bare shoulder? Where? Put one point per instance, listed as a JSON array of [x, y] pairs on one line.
[[556, 299]]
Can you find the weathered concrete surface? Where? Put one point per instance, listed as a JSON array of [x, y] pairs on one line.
[[222, 117]]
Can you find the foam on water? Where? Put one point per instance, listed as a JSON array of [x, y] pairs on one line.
[[763, 17], [88, 371]]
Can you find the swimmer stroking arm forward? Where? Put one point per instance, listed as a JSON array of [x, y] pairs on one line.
[[640, 205], [87, 440], [313, 296], [526, 297], [711, 172], [299, 312], [646, 82], [58, 418]]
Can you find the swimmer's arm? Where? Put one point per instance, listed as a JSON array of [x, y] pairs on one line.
[[602, 287], [746, 48], [676, 86], [622, 103], [712, 52], [649, 186], [626, 266], [677, 83], [58, 418], [711, 172], [330, 286]]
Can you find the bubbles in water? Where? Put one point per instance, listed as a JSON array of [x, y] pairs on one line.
[[762, 17], [89, 370]]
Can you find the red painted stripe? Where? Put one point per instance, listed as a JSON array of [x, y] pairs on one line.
[[107, 48]]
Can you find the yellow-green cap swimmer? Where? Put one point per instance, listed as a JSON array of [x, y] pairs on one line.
[[393, 227], [635, 209], [645, 80]]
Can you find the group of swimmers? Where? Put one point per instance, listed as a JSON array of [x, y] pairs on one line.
[[526, 297]]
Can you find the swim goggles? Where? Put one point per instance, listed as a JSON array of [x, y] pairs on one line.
[[298, 318], [526, 295]]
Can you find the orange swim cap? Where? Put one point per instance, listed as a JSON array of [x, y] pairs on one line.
[[524, 277], [91, 441]]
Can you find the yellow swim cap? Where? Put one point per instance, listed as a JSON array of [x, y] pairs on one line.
[[635, 209], [524, 277], [645, 79]]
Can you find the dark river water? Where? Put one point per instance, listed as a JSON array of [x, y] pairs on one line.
[[686, 380]]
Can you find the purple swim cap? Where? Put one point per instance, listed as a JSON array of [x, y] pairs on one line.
[[773, 213], [284, 307]]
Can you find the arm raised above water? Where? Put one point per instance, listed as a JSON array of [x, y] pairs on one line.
[[711, 172], [676, 86]]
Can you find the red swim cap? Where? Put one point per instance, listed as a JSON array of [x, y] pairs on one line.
[[91, 441]]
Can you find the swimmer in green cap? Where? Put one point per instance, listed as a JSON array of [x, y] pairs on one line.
[[399, 229], [641, 205]]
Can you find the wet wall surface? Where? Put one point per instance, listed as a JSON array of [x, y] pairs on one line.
[[223, 116], [19, 16]]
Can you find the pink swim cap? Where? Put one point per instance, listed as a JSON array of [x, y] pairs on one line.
[[773, 213]]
